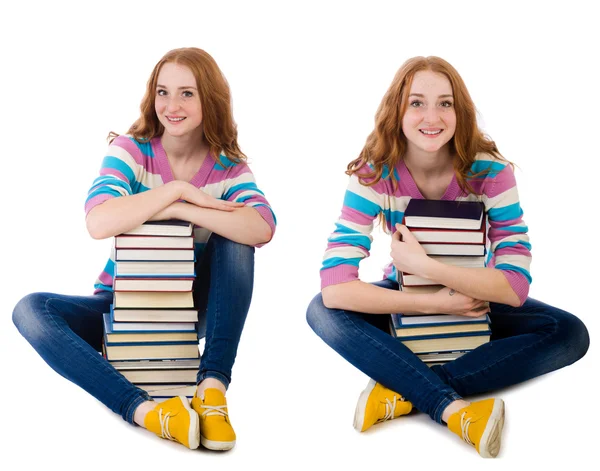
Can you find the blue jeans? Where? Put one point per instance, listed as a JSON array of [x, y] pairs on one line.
[[526, 342], [67, 330]]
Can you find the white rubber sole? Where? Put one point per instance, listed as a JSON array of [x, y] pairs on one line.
[[214, 445], [361, 406], [489, 445], [194, 432]]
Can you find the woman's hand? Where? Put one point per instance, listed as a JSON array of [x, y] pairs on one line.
[[407, 254], [449, 301], [193, 195]]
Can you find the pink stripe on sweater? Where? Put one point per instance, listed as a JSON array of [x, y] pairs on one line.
[[339, 274], [106, 279], [352, 215], [113, 173], [217, 175], [95, 201], [130, 146], [518, 283], [268, 217]]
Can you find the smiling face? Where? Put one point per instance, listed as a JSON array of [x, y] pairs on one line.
[[177, 102], [429, 122]]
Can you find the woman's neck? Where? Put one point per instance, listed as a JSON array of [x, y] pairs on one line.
[[428, 164], [185, 148]]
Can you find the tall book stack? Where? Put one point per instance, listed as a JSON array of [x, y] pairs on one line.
[[150, 332], [452, 232]]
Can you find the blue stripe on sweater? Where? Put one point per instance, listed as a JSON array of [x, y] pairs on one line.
[[354, 240], [512, 211], [510, 267], [363, 205], [502, 245], [335, 261]]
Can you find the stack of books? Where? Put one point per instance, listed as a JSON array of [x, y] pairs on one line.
[[150, 332], [452, 232]]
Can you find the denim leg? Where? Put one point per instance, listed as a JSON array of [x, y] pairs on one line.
[[223, 292], [67, 331], [526, 342], [357, 338]]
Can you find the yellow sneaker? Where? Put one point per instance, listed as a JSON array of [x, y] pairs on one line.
[[216, 432], [480, 425], [175, 420], [378, 404]]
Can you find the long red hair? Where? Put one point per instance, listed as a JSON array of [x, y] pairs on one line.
[[386, 145], [220, 130]]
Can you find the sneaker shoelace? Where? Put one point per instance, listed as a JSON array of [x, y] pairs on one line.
[[390, 408], [464, 426], [164, 424], [214, 410]]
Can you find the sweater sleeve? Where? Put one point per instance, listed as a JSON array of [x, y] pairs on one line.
[[351, 240], [118, 173], [509, 242], [240, 186]]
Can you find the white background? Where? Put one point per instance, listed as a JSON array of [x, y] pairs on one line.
[[306, 78]]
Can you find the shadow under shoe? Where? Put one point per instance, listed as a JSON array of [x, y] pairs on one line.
[[378, 404], [480, 424], [216, 432], [175, 420]]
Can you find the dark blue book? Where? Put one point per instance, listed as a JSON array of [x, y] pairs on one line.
[[113, 336], [444, 214], [437, 325]]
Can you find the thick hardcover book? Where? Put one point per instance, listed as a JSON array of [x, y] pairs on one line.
[[454, 249], [408, 322], [140, 269], [422, 289], [444, 214], [161, 392], [446, 342], [450, 236], [193, 364], [153, 284], [406, 326], [155, 255], [160, 376], [153, 299], [153, 242], [151, 351], [172, 227], [153, 315], [145, 336], [440, 357], [133, 327]]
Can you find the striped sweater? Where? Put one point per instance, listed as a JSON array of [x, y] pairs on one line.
[[130, 167], [507, 240]]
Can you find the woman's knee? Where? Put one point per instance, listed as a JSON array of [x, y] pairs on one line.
[[230, 253], [320, 318], [26, 315], [576, 338]]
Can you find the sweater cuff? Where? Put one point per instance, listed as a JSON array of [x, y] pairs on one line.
[[267, 215], [338, 274], [518, 283]]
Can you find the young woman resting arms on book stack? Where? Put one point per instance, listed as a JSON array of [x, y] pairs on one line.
[[426, 144], [180, 160]]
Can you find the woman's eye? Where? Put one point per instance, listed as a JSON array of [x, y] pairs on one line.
[[188, 94], [446, 104], [161, 92], [416, 103]]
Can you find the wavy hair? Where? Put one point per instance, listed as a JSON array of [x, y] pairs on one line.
[[387, 145], [220, 130]]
